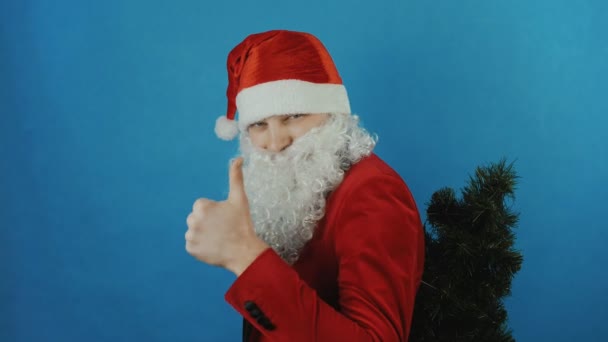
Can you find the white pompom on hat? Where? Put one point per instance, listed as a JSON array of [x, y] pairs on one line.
[[225, 128], [279, 72]]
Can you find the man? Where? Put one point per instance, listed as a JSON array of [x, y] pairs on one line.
[[324, 237]]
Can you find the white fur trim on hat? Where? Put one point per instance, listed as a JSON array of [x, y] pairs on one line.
[[289, 97], [225, 128]]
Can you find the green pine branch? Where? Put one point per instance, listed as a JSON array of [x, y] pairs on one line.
[[470, 260]]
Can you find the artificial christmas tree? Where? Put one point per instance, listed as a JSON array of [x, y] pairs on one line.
[[470, 261]]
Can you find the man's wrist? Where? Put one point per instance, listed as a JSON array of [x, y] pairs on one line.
[[247, 256]]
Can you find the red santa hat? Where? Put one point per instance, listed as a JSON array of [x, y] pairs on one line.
[[279, 72]]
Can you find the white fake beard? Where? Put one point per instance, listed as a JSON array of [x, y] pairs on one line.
[[287, 190]]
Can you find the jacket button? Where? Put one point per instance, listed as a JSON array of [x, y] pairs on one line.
[[255, 312], [249, 305], [265, 322]]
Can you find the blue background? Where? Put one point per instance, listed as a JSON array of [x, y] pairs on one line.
[[107, 113]]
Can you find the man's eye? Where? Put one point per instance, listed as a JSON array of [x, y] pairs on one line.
[[295, 116], [257, 124]]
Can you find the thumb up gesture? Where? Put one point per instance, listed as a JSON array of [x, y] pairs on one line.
[[221, 233]]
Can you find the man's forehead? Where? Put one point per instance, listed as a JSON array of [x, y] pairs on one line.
[[281, 116]]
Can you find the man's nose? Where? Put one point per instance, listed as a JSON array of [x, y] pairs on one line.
[[278, 139]]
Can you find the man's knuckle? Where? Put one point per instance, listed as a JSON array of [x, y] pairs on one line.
[[190, 220], [201, 204]]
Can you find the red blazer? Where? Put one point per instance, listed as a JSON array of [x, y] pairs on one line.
[[356, 279]]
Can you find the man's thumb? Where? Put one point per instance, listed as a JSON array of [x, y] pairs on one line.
[[237, 186]]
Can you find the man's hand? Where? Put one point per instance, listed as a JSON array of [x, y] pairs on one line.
[[222, 233]]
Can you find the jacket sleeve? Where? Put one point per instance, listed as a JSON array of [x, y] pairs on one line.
[[379, 245]]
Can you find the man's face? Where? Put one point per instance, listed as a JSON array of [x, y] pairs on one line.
[[276, 133], [292, 162]]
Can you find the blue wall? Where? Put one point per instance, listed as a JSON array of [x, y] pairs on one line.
[[107, 111]]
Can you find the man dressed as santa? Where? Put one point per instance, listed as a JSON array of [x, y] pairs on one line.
[[324, 237]]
